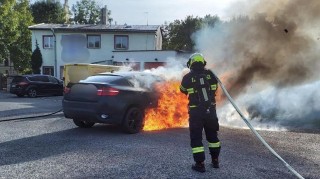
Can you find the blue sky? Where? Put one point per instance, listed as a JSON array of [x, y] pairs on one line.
[[156, 12]]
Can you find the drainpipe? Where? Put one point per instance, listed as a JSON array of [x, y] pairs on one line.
[[55, 53]]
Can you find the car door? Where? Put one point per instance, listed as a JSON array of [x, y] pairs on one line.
[[43, 83], [55, 86]]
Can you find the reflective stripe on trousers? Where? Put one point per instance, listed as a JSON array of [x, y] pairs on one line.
[[197, 150], [214, 145]]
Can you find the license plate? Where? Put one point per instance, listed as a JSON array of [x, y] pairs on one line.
[[13, 85]]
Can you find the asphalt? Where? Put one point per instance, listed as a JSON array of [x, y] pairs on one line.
[[53, 147], [12, 107]]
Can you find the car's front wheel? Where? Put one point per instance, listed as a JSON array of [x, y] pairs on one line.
[[133, 121], [32, 93], [83, 124]]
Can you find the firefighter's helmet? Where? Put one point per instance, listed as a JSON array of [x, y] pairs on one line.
[[196, 58]]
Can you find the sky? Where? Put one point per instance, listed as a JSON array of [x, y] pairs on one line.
[[157, 12]]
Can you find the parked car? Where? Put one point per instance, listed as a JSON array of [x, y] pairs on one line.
[[34, 85], [113, 98]]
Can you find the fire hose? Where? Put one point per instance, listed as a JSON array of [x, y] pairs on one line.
[[254, 131], [29, 117]]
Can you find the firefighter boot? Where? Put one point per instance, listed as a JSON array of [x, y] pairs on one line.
[[215, 163], [199, 167]]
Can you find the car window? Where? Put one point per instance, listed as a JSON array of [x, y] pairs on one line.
[[102, 79], [44, 78], [52, 79], [134, 82], [18, 79], [39, 78], [34, 78], [121, 82]]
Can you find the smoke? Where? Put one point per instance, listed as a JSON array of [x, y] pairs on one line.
[[270, 55], [173, 71]]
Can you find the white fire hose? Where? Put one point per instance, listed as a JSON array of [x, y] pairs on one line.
[[254, 131]]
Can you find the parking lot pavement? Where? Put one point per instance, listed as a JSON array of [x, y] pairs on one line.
[[12, 106], [55, 148]]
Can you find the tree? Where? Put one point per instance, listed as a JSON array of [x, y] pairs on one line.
[[210, 20], [36, 60], [8, 27], [180, 32], [48, 12], [86, 12], [15, 37]]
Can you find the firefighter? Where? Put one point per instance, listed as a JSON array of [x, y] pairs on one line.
[[200, 86]]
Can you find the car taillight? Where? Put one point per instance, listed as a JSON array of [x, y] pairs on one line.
[[23, 83], [107, 91], [66, 90]]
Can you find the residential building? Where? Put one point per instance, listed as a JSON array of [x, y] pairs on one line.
[[136, 45]]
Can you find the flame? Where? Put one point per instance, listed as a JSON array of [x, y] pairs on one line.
[[172, 110]]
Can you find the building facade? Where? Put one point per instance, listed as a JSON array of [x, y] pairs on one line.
[[60, 44]]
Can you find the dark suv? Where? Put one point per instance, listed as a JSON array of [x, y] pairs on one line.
[[34, 85], [113, 98]]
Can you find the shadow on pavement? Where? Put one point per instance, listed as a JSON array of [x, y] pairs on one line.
[[51, 144]]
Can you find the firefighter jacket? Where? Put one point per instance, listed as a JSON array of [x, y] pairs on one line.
[[190, 86]]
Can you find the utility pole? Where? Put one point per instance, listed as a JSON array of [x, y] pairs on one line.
[[55, 53]]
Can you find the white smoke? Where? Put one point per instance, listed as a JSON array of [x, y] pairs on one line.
[[172, 71], [276, 109], [270, 60]]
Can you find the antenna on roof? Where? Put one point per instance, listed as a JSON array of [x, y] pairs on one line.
[[147, 13]]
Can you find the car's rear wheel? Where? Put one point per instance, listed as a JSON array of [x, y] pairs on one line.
[[133, 121], [83, 124], [32, 93]]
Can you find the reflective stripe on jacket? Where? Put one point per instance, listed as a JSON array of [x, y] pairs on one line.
[[188, 86]]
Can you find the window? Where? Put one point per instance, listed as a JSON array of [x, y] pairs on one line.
[[39, 78], [121, 42], [47, 41], [53, 80], [93, 41], [48, 70]]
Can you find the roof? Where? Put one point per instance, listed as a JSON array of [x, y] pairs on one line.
[[95, 27]]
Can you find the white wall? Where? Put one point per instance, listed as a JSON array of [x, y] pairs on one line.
[[47, 54], [144, 56], [72, 47]]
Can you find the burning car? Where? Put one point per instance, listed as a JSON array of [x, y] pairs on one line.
[[112, 98]]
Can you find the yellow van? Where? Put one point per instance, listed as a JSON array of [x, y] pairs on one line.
[[73, 73]]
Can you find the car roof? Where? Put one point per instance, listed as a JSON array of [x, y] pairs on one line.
[[126, 73], [30, 75]]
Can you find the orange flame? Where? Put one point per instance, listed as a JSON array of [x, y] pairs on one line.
[[172, 110]]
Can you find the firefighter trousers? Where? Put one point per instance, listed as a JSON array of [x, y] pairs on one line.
[[207, 120]]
